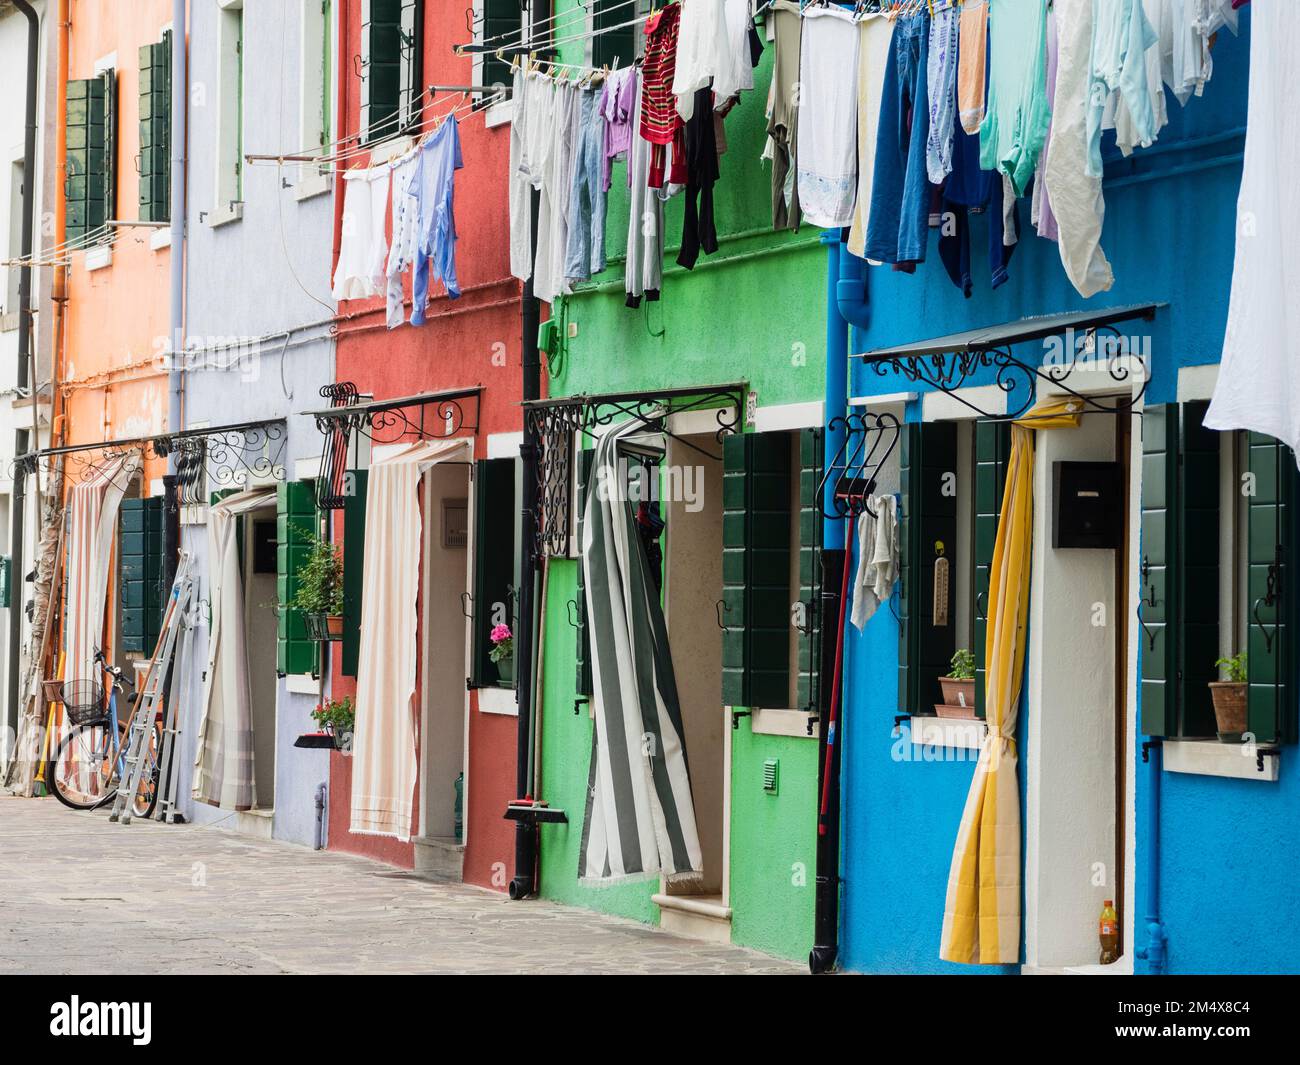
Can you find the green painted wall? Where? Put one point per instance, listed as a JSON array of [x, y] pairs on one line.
[[754, 311]]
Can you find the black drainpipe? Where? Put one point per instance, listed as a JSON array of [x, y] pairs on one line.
[[826, 907], [21, 436]]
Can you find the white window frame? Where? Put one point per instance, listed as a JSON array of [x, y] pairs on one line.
[[503, 111], [315, 110], [228, 206]]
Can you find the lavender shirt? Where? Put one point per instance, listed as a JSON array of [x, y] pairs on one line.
[[616, 103]]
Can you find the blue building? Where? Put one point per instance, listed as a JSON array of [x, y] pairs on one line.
[[1126, 791]]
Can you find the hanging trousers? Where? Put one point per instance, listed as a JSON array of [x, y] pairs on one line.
[[698, 228]]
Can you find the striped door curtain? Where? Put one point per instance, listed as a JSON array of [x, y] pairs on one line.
[[640, 818], [92, 523]]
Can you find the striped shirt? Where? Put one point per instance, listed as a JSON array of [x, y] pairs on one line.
[[659, 118]]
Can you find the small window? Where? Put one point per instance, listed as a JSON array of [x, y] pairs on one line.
[[501, 25], [14, 241], [392, 38], [230, 108], [613, 40]]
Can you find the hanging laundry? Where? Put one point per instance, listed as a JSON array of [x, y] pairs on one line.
[[617, 99], [433, 185], [897, 228], [586, 252], [705, 55], [785, 24], [406, 236], [1258, 387], [1187, 30], [519, 181], [745, 45], [969, 191], [827, 145], [878, 558], [972, 65], [1118, 117], [1015, 126], [1076, 198], [699, 231], [363, 246], [660, 123], [643, 265], [874, 35], [1041, 216], [941, 85], [1121, 36], [556, 185]]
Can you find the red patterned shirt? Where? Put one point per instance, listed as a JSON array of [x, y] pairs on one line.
[[659, 118]]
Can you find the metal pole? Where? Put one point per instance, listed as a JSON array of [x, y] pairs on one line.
[[175, 377]]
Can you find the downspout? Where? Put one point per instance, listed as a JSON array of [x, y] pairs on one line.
[[1154, 952], [176, 263], [18, 524]]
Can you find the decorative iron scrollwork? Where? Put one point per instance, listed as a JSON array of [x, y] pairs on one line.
[[870, 438]]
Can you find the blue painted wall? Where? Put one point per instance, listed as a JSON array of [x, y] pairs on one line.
[[1229, 847]]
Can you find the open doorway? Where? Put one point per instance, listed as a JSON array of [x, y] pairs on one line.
[[445, 499], [259, 574]]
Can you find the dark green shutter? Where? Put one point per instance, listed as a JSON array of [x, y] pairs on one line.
[[109, 79], [928, 463], [582, 680], [140, 551], [494, 561], [499, 17], [295, 518], [1270, 711], [410, 63], [155, 130], [992, 449], [810, 566], [1158, 591], [381, 68], [607, 46], [756, 570], [354, 549], [1198, 556], [84, 139]]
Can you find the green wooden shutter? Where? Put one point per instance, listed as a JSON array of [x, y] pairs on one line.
[[155, 130], [494, 561], [327, 70], [992, 449], [928, 465], [1158, 591], [756, 570], [295, 516], [109, 79], [1270, 710], [84, 140], [1198, 557], [354, 549], [381, 68], [582, 680], [619, 44], [140, 552], [810, 566], [410, 63], [499, 16]]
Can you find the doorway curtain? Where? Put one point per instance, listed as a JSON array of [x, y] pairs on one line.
[[384, 743], [640, 816], [981, 921], [224, 774]]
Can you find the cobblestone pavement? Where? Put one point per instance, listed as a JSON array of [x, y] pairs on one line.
[[81, 895]]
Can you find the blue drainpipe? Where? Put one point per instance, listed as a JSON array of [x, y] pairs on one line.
[[1154, 951], [846, 304]]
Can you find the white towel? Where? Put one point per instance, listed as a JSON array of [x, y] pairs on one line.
[[877, 558]]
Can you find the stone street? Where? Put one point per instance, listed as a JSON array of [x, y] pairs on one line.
[[81, 895]]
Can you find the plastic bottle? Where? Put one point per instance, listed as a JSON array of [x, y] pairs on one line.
[[1108, 928]]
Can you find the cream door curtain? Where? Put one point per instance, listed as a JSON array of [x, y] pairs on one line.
[[92, 521], [223, 763], [383, 747], [981, 921]]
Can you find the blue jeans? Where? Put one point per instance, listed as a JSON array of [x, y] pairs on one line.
[[898, 226], [585, 254]]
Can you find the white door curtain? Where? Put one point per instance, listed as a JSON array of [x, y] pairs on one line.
[[640, 817], [224, 774], [384, 744], [91, 526]]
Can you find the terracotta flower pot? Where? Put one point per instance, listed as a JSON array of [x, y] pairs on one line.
[[958, 693], [334, 625], [1229, 708]]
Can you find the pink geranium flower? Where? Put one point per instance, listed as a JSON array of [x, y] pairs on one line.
[[500, 634]]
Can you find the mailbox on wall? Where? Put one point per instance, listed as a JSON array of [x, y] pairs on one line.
[[1087, 504]]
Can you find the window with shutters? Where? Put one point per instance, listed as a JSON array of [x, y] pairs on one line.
[[499, 25], [140, 574], [91, 175], [296, 519], [771, 570], [391, 63], [155, 129], [614, 41], [316, 75], [495, 568], [229, 184], [354, 553]]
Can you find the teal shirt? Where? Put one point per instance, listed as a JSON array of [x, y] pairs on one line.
[[1015, 126]]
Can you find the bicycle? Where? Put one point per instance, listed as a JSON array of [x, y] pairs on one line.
[[91, 759]]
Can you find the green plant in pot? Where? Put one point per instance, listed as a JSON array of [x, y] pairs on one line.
[[1229, 697], [503, 652], [338, 717], [958, 686], [320, 588]]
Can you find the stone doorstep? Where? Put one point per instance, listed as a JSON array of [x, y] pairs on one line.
[[439, 858], [703, 917]]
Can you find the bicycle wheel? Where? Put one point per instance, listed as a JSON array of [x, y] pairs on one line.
[[83, 774], [146, 795]]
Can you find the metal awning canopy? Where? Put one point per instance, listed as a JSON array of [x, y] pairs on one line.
[[1001, 337], [666, 395], [381, 406], [142, 441]]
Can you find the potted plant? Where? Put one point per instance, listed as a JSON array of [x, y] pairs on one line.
[[959, 686], [338, 717], [503, 652], [1230, 697], [320, 589]]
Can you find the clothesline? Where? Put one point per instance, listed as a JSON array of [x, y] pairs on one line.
[[569, 17]]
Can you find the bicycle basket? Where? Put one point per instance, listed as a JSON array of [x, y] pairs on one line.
[[84, 701]]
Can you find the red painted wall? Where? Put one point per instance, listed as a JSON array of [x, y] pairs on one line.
[[474, 340]]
